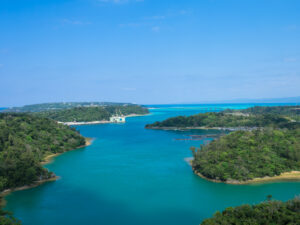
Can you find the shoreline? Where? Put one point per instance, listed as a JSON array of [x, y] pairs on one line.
[[204, 128], [48, 159], [25, 187], [98, 122], [286, 176]]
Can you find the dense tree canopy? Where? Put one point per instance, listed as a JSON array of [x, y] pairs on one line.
[[24, 141], [61, 105], [87, 114], [6, 218], [268, 212], [226, 120], [244, 155], [289, 111]]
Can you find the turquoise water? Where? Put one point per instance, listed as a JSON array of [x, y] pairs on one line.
[[134, 176]]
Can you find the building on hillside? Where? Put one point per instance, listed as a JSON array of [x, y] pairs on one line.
[[117, 119]]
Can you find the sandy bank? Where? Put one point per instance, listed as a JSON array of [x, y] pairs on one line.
[[84, 123], [204, 128], [135, 115], [97, 122], [49, 158], [287, 176]]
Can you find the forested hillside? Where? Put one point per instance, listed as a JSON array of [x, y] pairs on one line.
[[292, 112], [244, 155], [60, 105], [87, 114], [24, 142], [226, 120], [6, 218]]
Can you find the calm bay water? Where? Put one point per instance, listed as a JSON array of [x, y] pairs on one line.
[[134, 176]]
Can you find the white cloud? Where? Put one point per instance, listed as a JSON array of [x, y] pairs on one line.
[[156, 29]]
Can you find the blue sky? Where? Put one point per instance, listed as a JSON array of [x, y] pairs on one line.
[[148, 51]]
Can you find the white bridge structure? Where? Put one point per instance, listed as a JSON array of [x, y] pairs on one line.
[[117, 119]]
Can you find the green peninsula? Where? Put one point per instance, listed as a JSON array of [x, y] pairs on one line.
[[60, 105], [242, 156], [267, 212], [92, 113], [292, 112], [264, 146], [225, 120], [25, 140]]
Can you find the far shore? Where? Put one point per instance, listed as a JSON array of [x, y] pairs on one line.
[[204, 128], [47, 159], [97, 122]]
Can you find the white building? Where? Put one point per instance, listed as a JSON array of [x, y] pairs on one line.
[[117, 119]]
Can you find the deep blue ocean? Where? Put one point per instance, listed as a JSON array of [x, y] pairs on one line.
[[134, 176]]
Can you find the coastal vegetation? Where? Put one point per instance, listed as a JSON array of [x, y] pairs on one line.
[[245, 155], [225, 120], [95, 113], [24, 142], [292, 112], [268, 212], [6, 218], [60, 105], [265, 143]]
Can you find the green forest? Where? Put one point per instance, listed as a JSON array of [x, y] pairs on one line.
[[24, 141], [60, 105], [95, 113], [268, 212], [244, 155], [292, 112], [6, 218], [226, 120]]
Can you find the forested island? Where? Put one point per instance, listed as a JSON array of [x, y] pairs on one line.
[[242, 156], [265, 144], [223, 120], [267, 212], [254, 117], [94, 113], [288, 111]]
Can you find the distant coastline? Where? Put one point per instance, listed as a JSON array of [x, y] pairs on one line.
[[204, 128], [97, 122]]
